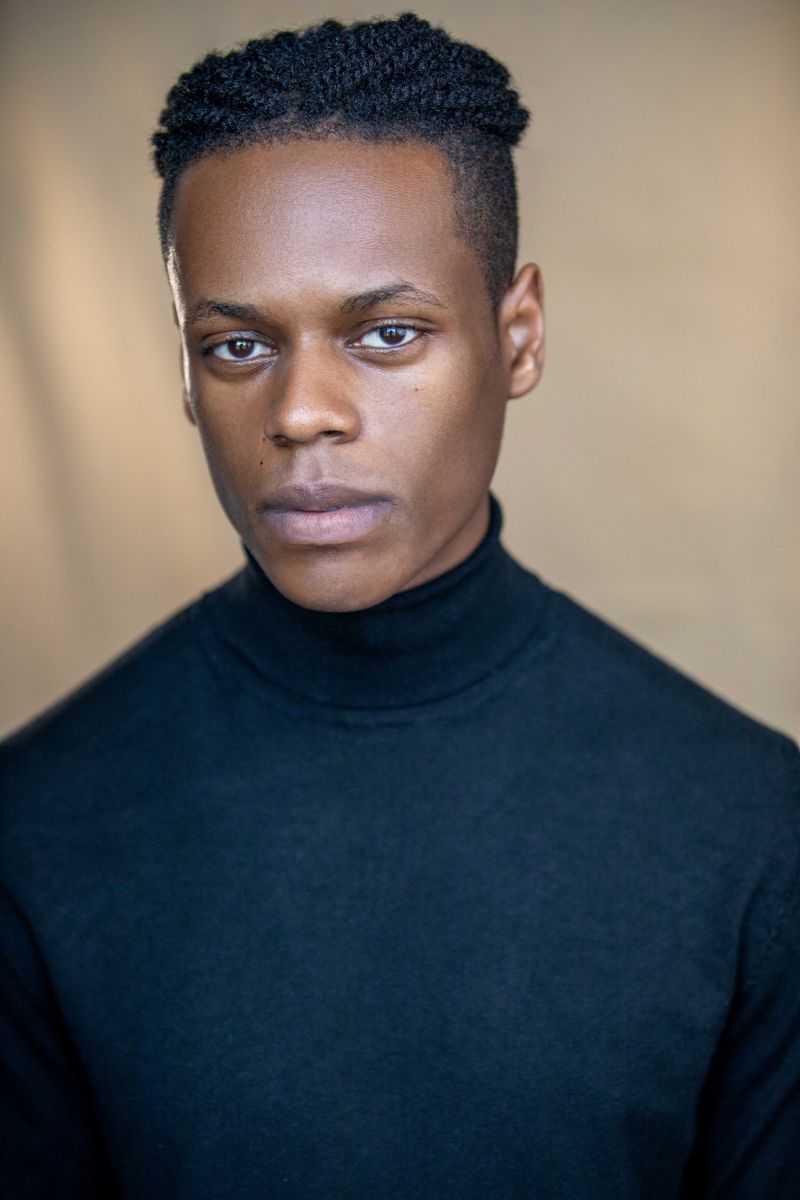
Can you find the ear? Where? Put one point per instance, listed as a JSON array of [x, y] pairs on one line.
[[520, 321], [188, 411], [188, 408]]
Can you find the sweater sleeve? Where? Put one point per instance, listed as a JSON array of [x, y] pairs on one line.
[[50, 1143], [748, 1144]]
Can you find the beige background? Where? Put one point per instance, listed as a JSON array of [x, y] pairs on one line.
[[653, 474]]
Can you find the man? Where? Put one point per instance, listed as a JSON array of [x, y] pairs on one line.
[[385, 870]]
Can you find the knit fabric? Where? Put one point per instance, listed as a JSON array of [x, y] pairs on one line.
[[463, 895]]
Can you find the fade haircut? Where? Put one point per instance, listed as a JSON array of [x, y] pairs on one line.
[[392, 80]]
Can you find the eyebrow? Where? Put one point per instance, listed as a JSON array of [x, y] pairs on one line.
[[223, 308], [389, 291], [399, 290]]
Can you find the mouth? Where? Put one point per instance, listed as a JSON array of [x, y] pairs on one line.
[[329, 526], [325, 513]]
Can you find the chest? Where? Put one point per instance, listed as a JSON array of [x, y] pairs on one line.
[[430, 977]]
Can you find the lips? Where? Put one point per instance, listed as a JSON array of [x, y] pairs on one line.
[[324, 512], [318, 496]]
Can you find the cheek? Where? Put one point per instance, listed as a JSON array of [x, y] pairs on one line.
[[229, 419], [455, 421], [234, 448]]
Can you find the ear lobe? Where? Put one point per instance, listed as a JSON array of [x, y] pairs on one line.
[[188, 411], [521, 321]]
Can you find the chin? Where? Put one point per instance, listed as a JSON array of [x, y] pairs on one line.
[[326, 590]]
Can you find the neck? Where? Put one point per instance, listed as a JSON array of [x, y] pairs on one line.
[[422, 644]]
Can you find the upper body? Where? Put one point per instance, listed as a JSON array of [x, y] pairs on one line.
[[464, 894], [385, 869]]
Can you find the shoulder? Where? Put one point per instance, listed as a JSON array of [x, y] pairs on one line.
[[681, 780], [135, 707], [615, 683], [659, 736]]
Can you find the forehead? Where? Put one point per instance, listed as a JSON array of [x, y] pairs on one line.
[[336, 212]]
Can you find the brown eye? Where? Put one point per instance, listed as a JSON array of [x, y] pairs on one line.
[[389, 337], [240, 350], [393, 335]]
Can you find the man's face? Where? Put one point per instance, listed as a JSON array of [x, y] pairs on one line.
[[337, 333]]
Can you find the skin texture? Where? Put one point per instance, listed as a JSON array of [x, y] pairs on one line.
[[306, 388]]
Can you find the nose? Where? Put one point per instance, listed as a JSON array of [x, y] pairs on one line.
[[310, 398]]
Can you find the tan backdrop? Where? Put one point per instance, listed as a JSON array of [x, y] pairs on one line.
[[653, 474]]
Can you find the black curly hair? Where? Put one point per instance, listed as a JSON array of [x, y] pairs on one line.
[[383, 80]]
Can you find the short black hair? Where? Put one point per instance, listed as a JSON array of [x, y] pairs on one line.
[[383, 80]]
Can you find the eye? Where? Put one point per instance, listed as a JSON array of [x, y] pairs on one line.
[[389, 337], [239, 349]]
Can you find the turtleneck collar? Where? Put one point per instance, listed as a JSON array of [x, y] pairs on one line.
[[416, 647]]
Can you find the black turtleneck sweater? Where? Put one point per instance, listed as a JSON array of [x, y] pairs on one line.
[[462, 895]]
